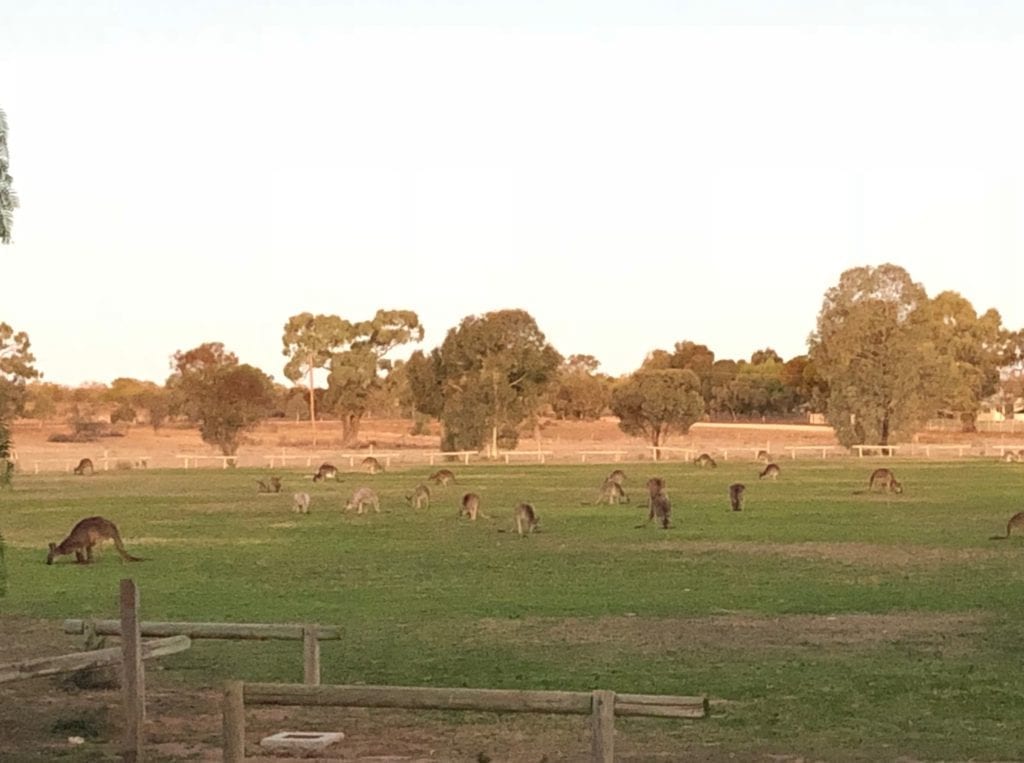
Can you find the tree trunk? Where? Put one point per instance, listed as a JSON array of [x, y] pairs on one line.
[[885, 431], [656, 442], [312, 404], [494, 442]]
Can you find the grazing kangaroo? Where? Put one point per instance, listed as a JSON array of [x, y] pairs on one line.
[[372, 465], [420, 497], [618, 477], [526, 517], [470, 507], [300, 503], [705, 459], [362, 497], [84, 467], [1010, 457], [762, 455], [771, 472], [1016, 521], [443, 477], [325, 472], [611, 493], [885, 479], [736, 496], [86, 534], [273, 485]]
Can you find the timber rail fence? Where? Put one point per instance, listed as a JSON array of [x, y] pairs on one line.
[[349, 462], [309, 635], [602, 706]]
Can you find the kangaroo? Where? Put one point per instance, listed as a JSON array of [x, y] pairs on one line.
[[618, 477], [705, 460], [771, 471], [372, 465], [526, 517], [1016, 521], [273, 485], [885, 479], [1010, 457], [661, 507], [471, 507], [86, 534], [736, 496], [762, 455], [658, 504], [325, 472], [655, 486], [84, 467], [420, 497], [300, 503], [443, 477], [611, 493], [362, 497]]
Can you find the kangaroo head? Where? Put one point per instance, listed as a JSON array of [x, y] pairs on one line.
[[53, 553], [897, 487]]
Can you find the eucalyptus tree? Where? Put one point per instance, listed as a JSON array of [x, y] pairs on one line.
[[487, 377], [8, 198]]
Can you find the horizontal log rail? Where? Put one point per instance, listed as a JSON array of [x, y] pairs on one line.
[[309, 635], [47, 666], [601, 705]]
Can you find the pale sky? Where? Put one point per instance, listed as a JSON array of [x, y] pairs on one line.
[[633, 173]]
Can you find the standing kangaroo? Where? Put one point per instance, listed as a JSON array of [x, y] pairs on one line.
[[84, 467], [1016, 522], [86, 534], [658, 503], [885, 479], [526, 519], [300, 503], [736, 496]]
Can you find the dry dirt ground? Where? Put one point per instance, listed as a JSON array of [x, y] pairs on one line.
[[37, 716], [564, 439]]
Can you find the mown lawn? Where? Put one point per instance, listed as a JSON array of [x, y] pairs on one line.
[[822, 621]]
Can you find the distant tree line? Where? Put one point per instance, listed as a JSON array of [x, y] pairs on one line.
[[883, 359]]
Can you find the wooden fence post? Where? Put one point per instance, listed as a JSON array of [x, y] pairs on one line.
[[602, 726], [310, 655], [133, 685], [234, 722]]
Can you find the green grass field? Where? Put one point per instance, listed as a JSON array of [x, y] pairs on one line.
[[821, 622]]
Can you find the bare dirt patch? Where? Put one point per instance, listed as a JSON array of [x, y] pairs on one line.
[[859, 554], [745, 632]]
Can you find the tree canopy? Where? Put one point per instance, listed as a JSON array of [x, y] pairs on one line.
[[224, 397], [8, 198], [656, 403], [867, 347], [16, 368], [485, 379]]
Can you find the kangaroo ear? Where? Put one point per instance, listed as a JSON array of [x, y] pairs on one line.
[[53, 546]]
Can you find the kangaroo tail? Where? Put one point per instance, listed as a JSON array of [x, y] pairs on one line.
[[1000, 537], [123, 552]]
